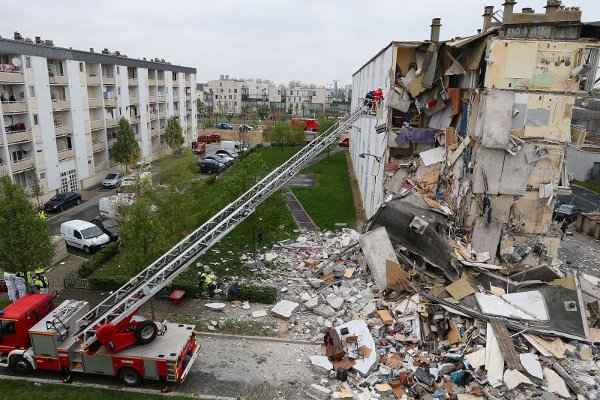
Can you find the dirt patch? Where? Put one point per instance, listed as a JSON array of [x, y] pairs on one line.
[[252, 138]]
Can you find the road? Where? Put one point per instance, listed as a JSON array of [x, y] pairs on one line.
[[86, 211], [229, 367]]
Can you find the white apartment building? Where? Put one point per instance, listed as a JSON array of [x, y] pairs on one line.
[[60, 108], [227, 95], [302, 100]]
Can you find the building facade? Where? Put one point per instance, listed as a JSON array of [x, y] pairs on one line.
[[227, 95], [479, 125], [60, 109]]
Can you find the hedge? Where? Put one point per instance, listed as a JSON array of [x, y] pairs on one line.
[[99, 259]]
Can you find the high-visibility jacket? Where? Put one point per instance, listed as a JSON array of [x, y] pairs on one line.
[[210, 278]]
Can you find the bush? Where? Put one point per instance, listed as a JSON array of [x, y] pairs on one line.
[[256, 294], [98, 260]]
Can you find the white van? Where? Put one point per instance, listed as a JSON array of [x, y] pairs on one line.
[[83, 235], [233, 146]]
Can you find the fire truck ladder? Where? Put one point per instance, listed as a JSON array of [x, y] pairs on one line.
[[125, 301]]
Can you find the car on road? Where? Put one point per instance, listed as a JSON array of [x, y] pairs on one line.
[[62, 201], [112, 180], [223, 125], [222, 158], [246, 128], [210, 138], [228, 153], [83, 235], [211, 166], [566, 211], [108, 226]]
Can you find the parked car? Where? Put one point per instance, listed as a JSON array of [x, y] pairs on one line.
[[198, 147], [222, 158], [233, 146], [83, 235], [112, 180], [62, 201], [228, 153], [246, 128], [210, 138], [223, 125], [108, 226], [566, 211], [210, 166]]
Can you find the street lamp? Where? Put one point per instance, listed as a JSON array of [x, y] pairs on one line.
[[365, 155]]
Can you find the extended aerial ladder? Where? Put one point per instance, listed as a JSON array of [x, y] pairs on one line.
[[113, 316]]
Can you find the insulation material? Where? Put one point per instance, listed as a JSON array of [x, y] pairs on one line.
[[543, 65], [378, 249], [497, 121], [494, 362], [433, 156], [532, 301], [545, 116], [493, 305], [489, 163]]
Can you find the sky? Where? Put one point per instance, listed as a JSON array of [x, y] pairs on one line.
[[315, 41]]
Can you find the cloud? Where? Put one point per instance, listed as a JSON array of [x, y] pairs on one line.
[[310, 40]]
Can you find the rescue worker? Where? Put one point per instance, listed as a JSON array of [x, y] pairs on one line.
[[210, 281], [564, 226], [40, 281], [42, 216]]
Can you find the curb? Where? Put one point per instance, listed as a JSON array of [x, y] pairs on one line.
[[154, 392], [256, 338]]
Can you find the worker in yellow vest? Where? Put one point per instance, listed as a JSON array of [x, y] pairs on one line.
[[42, 216]]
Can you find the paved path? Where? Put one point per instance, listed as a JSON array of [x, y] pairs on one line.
[[301, 217], [86, 211]]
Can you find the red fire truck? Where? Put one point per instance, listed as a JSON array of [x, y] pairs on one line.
[[36, 336]]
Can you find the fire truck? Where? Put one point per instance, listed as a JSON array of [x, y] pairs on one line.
[[110, 338]]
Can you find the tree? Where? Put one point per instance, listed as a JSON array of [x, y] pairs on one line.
[[25, 243], [174, 135], [126, 150]]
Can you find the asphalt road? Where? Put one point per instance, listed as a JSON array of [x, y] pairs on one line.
[[585, 200], [86, 211]]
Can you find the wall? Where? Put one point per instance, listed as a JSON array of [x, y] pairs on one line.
[[580, 162], [80, 120], [364, 139]]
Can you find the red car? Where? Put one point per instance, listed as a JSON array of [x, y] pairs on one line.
[[198, 147], [210, 138]]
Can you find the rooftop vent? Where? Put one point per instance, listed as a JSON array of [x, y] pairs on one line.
[[91, 49], [436, 26], [49, 42], [17, 36], [38, 40]]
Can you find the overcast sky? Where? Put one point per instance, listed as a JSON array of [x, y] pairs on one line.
[[310, 40]]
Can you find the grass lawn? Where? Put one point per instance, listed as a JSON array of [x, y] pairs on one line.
[[330, 201], [4, 301], [593, 186], [25, 390]]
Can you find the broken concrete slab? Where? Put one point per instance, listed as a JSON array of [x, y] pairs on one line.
[[324, 311], [259, 314], [312, 302], [321, 364], [532, 365], [284, 309], [513, 378], [494, 362], [378, 249], [320, 392], [460, 289], [556, 384], [215, 306], [335, 302], [360, 329], [476, 359]]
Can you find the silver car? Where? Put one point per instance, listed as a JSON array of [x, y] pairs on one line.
[[112, 180]]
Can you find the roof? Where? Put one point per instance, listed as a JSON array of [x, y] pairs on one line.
[[458, 43], [394, 43], [9, 46], [78, 224], [19, 308]]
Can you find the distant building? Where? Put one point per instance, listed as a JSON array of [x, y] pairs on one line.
[[59, 111], [226, 95], [307, 100]]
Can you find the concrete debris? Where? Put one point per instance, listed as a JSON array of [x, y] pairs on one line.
[[556, 384], [532, 365], [513, 378], [259, 314], [216, 306], [284, 309], [321, 364]]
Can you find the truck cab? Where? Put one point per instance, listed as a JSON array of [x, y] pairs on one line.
[[15, 322]]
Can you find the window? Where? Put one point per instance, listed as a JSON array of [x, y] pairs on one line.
[[35, 119], [7, 327], [77, 234], [31, 91], [28, 62], [81, 67], [234, 90]]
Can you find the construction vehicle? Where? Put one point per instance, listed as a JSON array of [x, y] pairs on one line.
[[110, 339]]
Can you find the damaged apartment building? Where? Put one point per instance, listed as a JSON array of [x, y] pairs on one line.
[[470, 140]]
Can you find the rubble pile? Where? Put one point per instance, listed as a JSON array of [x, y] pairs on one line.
[[396, 327]]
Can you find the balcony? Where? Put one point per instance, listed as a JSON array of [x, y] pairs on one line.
[[132, 82], [152, 99], [162, 98], [94, 103], [162, 114], [14, 107], [99, 146], [133, 99], [93, 80], [108, 80], [153, 116], [59, 105], [160, 82], [11, 74], [97, 124], [110, 102], [134, 119], [3, 170], [22, 165], [111, 123], [65, 154], [151, 82], [18, 137], [175, 83], [62, 130], [58, 80]]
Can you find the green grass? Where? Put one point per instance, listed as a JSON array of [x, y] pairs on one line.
[[4, 301], [593, 186], [330, 201], [24, 390]]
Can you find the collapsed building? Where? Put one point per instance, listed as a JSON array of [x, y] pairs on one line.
[[475, 129]]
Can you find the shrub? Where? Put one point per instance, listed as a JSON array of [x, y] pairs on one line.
[[256, 294], [98, 260]]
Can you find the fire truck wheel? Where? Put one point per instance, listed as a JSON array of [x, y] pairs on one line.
[[130, 377], [146, 332], [20, 365]]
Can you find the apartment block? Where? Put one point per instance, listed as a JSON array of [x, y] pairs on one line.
[[60, 109], [227, 95], [477, 128], [306, 100]]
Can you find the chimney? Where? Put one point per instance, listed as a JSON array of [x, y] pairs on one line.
[[38, 40], [17, 36], [552, 6], [509, 9], [488, 12], [91, 49], [436, 26]]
